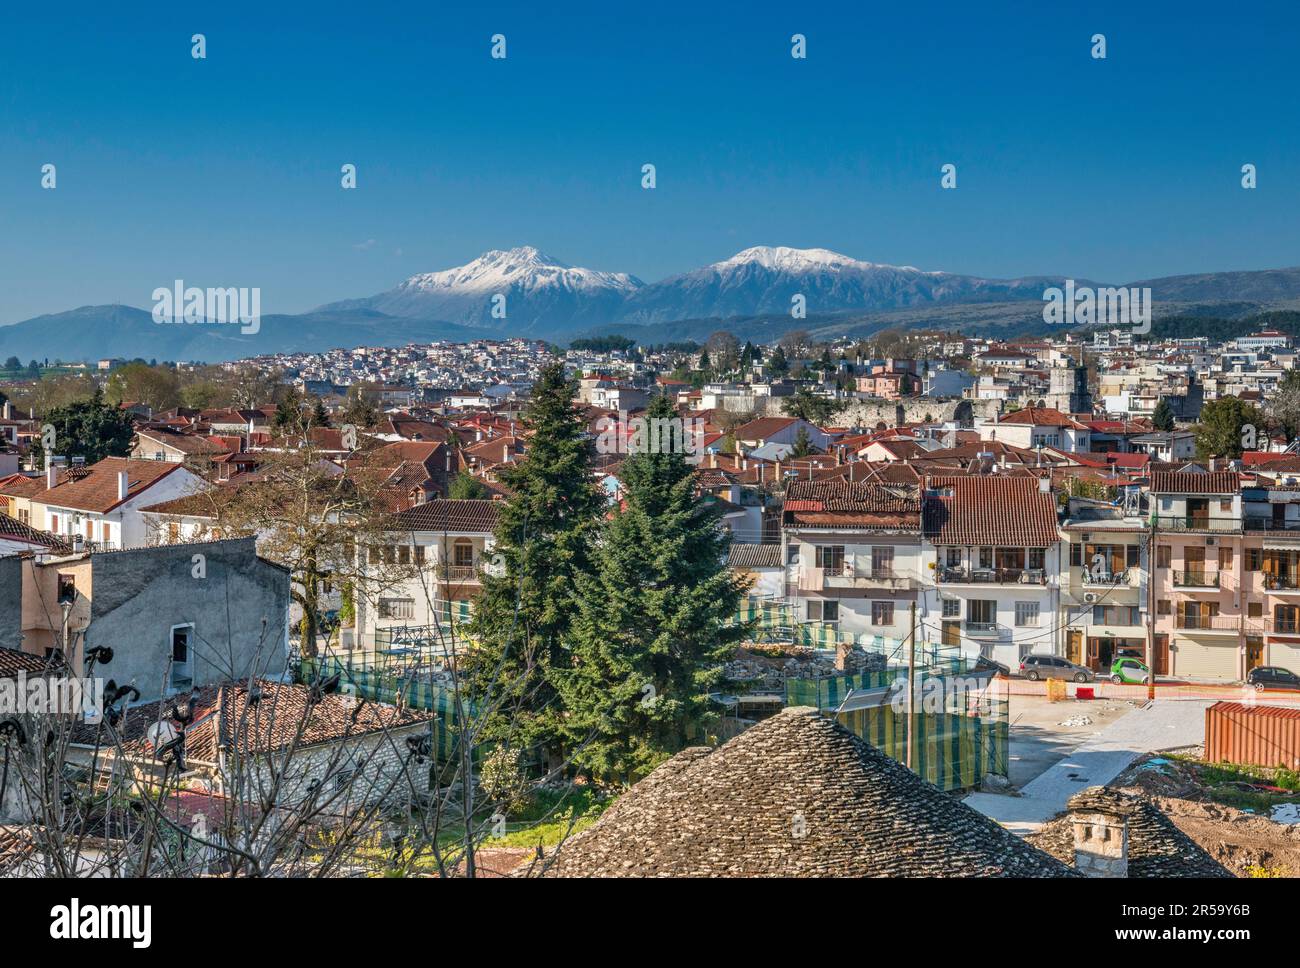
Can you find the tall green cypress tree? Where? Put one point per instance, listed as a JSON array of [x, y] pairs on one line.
[[654, 622], [544, 537]]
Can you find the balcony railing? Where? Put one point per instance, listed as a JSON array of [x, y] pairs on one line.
[[981, 628], [1281, 583], [1207, 623], [1273, 625], [1269, 524], [1094, 579], [1196, 522], [852, 576], [991, 576], [457, 573], [1196, 579]]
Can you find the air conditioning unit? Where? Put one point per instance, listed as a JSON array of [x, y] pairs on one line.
[[1091, 598], [1209, 542]]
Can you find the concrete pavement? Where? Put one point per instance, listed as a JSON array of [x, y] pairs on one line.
[[1164, 724]]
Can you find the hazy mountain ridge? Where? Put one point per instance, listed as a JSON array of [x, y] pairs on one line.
[[749, 293]]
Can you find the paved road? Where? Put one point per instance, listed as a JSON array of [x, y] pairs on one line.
[[1164, 724]]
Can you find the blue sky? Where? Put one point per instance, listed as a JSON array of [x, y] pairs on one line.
[[225, 171]]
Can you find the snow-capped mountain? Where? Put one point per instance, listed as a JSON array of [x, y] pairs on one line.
[[540, 293], [764, 279], [545, 297]]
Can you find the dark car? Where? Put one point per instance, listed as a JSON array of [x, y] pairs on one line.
[[1037, 667], [1272, 677]]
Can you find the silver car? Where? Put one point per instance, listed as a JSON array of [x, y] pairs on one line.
[[1037, 667]]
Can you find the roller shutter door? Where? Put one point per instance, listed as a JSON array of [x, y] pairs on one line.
[[1286, 655], [1205, 658]]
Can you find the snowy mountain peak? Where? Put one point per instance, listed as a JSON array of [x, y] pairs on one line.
[[524, 267], [786, 259]]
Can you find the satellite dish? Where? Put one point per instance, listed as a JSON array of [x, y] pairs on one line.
[[160, 734]]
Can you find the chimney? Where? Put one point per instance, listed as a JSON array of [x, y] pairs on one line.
[[8, 410], [51, 473], [123, 485], [1100, 840]]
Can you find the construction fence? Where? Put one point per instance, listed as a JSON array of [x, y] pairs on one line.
[[953, 747]]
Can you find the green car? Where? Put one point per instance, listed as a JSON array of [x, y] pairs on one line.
[[1129, 670]]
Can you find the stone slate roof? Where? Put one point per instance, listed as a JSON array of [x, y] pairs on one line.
[[850, 504], [754, 556], [736, 812], [1156, 847]]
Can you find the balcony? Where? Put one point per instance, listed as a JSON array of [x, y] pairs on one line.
[[457, 573], [1107, 579], [1273, 526], [982, 629], [990, 576], [1195, 522], [1221, 624], [866, 576], [1202, 580], [1281, 584]]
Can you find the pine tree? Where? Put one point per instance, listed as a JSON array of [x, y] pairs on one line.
[[1163, 416], [543, 539], [655, 622]]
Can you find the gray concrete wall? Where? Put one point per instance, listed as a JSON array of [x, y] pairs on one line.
[[238, 604], [11, 602]]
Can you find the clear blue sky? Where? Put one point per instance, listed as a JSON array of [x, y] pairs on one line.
[[225, 171]]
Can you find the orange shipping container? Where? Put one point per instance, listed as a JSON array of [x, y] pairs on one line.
[[1259, 735]]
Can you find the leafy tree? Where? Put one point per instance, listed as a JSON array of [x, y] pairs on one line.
[[358, 410], [468, 487], [543, 542], [1163, 417], [1284, 404], [777, 364], [802, 445], [87, 428], [810, 406], [1222, 430], [654, 623], [13, 363]]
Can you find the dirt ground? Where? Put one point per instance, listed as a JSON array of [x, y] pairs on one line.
[[1248, 844]]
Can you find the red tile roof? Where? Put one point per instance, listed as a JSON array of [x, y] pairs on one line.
[[469, 516], [990, 511], [96, 490], [1194, 482]]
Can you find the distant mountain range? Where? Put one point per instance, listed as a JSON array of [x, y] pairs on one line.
[[522, 292]]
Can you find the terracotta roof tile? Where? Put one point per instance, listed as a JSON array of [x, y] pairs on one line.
[[989, 510]]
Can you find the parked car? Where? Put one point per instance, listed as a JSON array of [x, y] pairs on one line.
[[1037, 667], [1272, 677], [1129, 670]]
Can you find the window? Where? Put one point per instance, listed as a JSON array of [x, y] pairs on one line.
[[1225, 559], [982, 611], [882, 613], [1116, 615], [1254, 609], [1076, 554], [403, 554], [182, 677], [823, 610], [1132, 556], [1226, 505], [952, 608], [463, 553], [954, 558], [419, 554], [1026, 614], [882, 561], [1254, 559], [830, 557], [397, 608], [1037, 558], [1164, 554], [376, 555], [1162, 607], [986, 558]]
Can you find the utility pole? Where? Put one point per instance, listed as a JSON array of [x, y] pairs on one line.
[[911, 684]]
